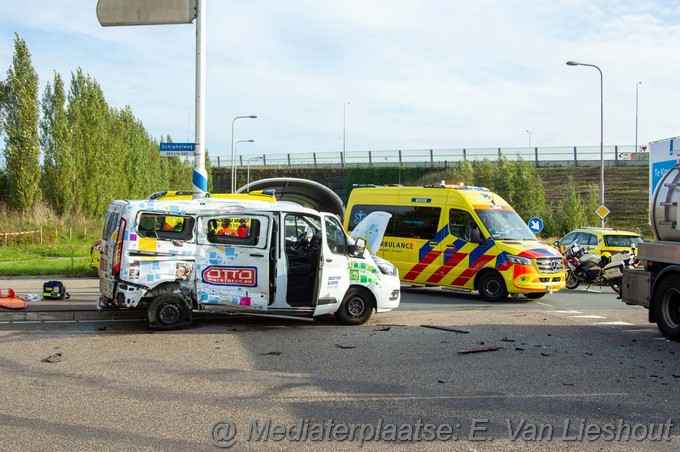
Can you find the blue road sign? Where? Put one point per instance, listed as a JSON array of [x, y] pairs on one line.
[[178, 147], [536, 225]]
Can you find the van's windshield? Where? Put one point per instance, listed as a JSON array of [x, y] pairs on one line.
[[505, 225]]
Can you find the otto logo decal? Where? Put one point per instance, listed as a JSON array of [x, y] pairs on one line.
[[230, 276]]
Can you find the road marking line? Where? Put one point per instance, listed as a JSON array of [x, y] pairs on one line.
[[412, 397], [615, 323], [642, 330], [545, 304], [587, 317], [568, 312]]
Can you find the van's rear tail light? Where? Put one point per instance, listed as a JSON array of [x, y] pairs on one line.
[[118, 250]]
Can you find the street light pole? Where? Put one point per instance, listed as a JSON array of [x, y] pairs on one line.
[[636, 115], [529, 132], [344, 130], [233, 150], [233, 180], [574, 63], [259, 157]]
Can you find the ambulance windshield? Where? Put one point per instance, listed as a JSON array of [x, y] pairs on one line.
[[505, 225]]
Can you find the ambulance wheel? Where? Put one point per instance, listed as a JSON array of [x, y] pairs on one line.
[[492, 287], [169, 312], [535, 295], [667, 307], [356, 308]]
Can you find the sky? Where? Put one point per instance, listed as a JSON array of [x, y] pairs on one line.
[[385, 74]]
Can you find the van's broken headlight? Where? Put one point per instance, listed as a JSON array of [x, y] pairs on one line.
[[386, 267], [519, 260]]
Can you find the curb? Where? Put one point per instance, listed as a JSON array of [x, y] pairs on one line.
[[42, 316]]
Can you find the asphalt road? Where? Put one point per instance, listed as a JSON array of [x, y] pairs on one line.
[[574, 370]]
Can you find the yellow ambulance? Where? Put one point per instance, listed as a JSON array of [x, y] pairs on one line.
[[461, 237]]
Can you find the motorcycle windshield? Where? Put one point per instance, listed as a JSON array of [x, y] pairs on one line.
[[505, 224]]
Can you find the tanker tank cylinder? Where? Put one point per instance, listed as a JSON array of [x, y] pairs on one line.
[[664, 207]]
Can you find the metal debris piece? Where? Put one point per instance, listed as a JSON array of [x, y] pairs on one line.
[[384, 328], [271, 354], [344, 346], [444, 328], [447, 381], [466, 351], [57, 357], [505, 339]]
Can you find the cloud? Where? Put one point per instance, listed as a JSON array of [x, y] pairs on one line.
[[419, 74]]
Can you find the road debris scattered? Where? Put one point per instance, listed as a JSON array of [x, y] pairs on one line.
[[271, 354], [447, 381], [466, 351], [345, 346], [57, 357], [444, 328]]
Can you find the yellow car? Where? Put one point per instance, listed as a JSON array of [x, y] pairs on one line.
[[600, 240]]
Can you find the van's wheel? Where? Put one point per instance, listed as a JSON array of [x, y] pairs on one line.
[[356, 308], [535, 295], [572, 280], [492, 287], [667, 307], [169, 312]]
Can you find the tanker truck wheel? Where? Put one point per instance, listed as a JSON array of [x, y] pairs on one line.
[[572, 280], [667, 307]]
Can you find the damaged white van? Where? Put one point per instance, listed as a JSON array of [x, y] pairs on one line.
[[174, 257]]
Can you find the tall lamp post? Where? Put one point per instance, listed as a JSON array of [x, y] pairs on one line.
[[529, 132], [233, 151], [258, 157], [637, 85], [344, 130], [233, 180], [574, 63]]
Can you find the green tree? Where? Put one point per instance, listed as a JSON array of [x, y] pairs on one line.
[[98, 166], [484, 174], [59, 172], [20, 123], [570, 213], [527, 196], [503, 179], [464, 172]]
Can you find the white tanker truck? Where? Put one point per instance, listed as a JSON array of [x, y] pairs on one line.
[[657, 285]]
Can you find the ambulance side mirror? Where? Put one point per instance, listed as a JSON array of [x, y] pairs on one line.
[[357, 250]]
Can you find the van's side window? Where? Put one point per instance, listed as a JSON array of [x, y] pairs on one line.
[[165, 226], [461, 224], [233, 230], [335, 236]]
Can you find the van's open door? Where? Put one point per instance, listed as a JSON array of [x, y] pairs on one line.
[[333, 277], [232, 265]]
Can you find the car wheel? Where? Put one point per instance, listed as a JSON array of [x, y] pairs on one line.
[[169, 312], [572, 280], [667, 307], [356, 308], [492, 287]]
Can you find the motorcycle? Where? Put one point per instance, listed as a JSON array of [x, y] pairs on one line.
[[585, 267]]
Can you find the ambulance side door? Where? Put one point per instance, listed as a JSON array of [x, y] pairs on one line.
[[232, 269], [462, 254], [333, 277]]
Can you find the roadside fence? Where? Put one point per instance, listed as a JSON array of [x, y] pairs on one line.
[[618, 155]]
